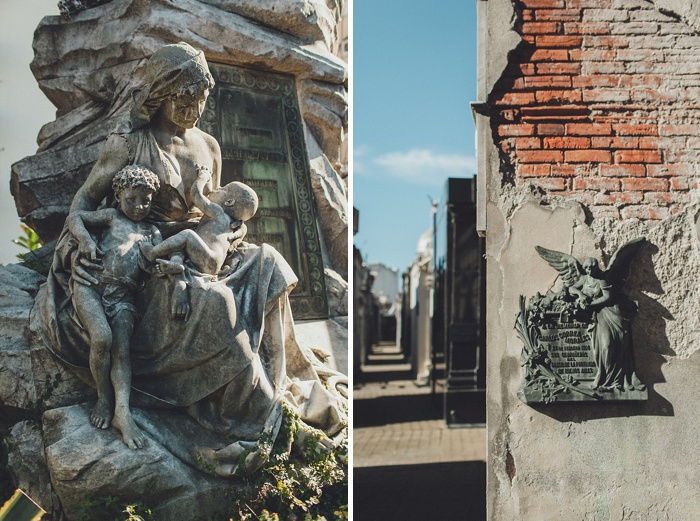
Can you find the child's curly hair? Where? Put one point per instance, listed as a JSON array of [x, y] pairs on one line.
[[135, 176]]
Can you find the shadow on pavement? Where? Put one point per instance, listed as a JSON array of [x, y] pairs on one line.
[[439, 491], [386, 410]]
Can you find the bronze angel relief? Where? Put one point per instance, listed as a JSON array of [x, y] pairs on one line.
[[577, 341]]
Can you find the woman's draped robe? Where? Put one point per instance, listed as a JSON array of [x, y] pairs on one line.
[[230, 365]]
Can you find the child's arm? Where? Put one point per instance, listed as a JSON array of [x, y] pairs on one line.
[[77, 222], [209, 208]]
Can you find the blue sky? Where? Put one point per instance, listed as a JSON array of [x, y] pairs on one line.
[[414, 75]]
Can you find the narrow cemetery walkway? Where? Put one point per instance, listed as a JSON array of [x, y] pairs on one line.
[[407, 463]]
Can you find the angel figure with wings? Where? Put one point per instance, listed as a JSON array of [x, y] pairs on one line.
[[600, 293]]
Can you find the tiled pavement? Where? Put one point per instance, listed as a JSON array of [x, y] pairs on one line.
[[407, 464]]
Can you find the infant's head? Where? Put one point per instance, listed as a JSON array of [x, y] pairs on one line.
[[134, 187], [239, 201]]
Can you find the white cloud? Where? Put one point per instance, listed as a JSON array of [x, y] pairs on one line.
[[424, 166]]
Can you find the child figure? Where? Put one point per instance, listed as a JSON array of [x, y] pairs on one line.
[[107, 309], [207, 247]]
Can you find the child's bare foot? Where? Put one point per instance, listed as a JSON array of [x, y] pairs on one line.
[[101, 414], [167, 267], [131, 434]]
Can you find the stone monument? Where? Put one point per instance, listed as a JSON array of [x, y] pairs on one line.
[[213, 388]]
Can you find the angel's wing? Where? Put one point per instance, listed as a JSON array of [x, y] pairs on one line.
[[619, 266], [568, 267]]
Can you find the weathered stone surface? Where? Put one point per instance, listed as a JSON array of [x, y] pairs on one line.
[[88, 67], [27, 464], [86, 462], [31, 377], [327, 339], [337, 289]]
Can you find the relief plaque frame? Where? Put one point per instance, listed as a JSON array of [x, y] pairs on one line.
[[577, 341], [255, 117]]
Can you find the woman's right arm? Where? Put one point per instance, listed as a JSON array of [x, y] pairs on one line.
[[114, 157]]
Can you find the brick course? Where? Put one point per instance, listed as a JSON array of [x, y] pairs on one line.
[[600, 104]]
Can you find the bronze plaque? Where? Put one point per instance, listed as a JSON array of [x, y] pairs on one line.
[[255, 118], [577, 342]]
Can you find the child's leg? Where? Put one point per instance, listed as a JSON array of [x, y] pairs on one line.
[[88, 305], [122, 327], [186, 240]]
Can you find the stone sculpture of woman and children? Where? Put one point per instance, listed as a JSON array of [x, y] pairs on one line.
[[155, 298]]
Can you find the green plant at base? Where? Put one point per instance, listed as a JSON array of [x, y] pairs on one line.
[[310, 484], [30, 241], [113, 508]]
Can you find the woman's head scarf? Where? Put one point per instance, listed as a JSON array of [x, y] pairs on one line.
[[172, 70]]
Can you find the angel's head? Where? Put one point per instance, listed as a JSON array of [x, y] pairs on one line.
[[590, 266]]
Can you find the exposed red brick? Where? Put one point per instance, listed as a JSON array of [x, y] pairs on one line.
[[588, 4], [599, 55], [622, 170], [602, 212], [538, 82], [540, 156], [615, 142], [626, 129], [558, 68], [567, 96], [544, 4], [604, 68], [646, 184], [679, 170], [603, 95], [553, 55], [541, 28], [679, 183], [598, 80], [616, 42], [655, 96], [516, 130], [567, 142], [654, 142], [561, 15], [516, 98], [644, 212], [586, 28], [554, 112], [640, 55], [534, 170], [587, 156], [588, 129], [527, 69], [527, 142], [582, 196], [597, 183], [558, 41], [651, 81], [619, 198], [572, 170], [550, 129], [635, 28], [552, 183], [658, 197], [638, 156]]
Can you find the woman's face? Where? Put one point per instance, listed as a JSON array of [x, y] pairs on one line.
[[184, 111]]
